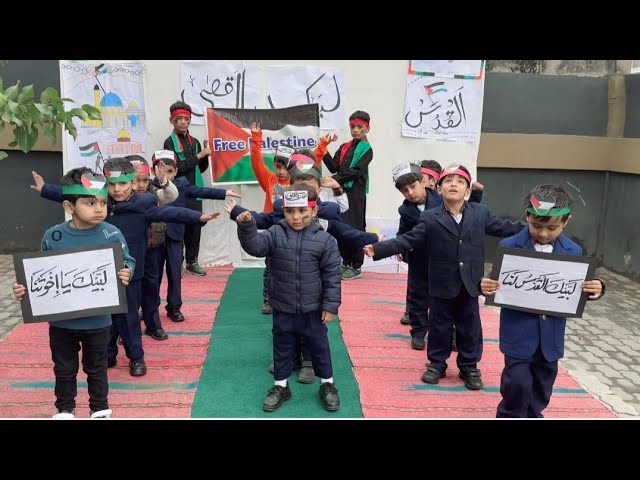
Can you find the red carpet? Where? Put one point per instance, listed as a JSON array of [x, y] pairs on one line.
[[166, 391], [388, 370]]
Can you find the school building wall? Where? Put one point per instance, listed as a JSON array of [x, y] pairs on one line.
[[572, 123]]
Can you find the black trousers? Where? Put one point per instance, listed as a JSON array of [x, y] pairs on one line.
[[356, 218], [65, 345], [192, 235], [526, 386]]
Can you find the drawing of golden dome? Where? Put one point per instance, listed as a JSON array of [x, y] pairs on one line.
[[124, 136]]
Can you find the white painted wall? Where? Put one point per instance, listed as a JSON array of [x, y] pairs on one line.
[[376, 86]]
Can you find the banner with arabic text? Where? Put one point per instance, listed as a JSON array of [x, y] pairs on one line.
[[219, 85], [229, 136]]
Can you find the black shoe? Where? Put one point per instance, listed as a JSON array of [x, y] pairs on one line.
[[471, 379], [405, 319], [266, 307], [175, 315], [417, 343], [137, 368], [433, 375], [276, 396], [159, 334], [112, 363], [307, 375], [329, 396]]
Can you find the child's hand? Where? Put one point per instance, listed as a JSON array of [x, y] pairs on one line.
[[330, 137], [477, 186], [124, 274], [206, 150], [244, 217], [329, 182], [380, 237], [489, 287], [368, 250], [231, 193], [593, 287], [39, 182], [255, 127], [399, 257], [19, 290], [205, 217], [160, 172], [326, 316], [229, 205]]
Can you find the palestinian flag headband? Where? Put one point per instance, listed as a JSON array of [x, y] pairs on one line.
[[545, 207], [92, 184], [300, 164], [298, 198], [115, 176], [403, 169]]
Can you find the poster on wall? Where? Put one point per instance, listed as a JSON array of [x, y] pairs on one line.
[[219, 85], [117, 90], [229, 134], [461, 69], [443, 108], [299, 85]]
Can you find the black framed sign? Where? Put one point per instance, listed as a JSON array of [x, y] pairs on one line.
[[71, 283], [543, 283]]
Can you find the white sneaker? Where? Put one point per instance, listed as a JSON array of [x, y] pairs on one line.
[[65, 415], [102, 413]]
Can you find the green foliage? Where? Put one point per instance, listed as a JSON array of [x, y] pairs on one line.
[[19, 110]]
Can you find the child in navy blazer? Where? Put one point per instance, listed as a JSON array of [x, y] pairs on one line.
[[532, 343]]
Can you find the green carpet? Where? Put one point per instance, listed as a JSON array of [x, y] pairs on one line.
[[235, 377]]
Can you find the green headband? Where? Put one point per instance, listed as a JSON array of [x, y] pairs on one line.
[[551, 212], [82, 190], [127, 177]]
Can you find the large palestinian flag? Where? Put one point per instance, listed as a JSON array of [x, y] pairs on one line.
[[228, 133]]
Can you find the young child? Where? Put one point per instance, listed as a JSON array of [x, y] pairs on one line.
[[165, 190], [132, 214], [455, 255], [193, 161], [304, 290], [170, 253], [86, 202], [531, 343], [350, 166], [410, 181]]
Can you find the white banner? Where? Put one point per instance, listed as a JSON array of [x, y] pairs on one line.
[[288, 86], [443, 108], [219, 85]]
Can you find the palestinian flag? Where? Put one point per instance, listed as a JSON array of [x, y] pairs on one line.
[[542, 206], [89, 150], [228, 133]]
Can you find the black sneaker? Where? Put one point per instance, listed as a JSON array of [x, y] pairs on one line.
[[175, 315], [307, 375], [159, 334], [276, 396], [137, 368], [471, 379], [417, 343], [266, 307], [196, 269], [433, 375], [405, 319], [329, 396]]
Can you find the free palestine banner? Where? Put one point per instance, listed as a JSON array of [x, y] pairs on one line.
[[229, 136]]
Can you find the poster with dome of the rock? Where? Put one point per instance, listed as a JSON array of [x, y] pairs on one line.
[[117, 90]]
